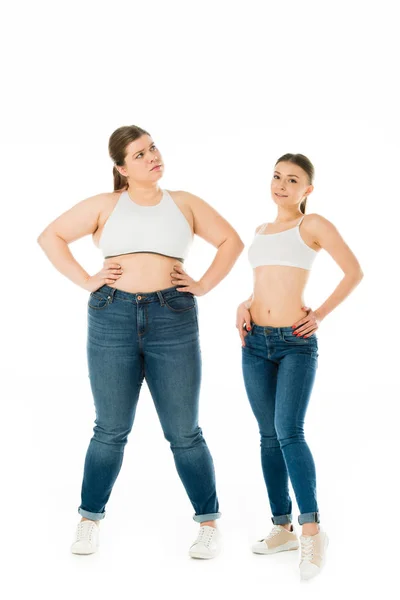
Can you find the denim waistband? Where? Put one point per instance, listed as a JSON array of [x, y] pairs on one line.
[[156, 296], [268, 330]]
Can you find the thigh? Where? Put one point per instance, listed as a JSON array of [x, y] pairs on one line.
[[260, 380], [296, 376], [114, 361], [172, 360]]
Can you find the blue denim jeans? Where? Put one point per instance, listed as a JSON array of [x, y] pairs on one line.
[[279, 371], [151, 335]]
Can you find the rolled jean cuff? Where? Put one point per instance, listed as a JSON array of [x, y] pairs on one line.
[[90, 515], [209, 517], [281, 519], [312, 517]]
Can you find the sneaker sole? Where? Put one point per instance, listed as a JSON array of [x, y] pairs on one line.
[[283, 548]]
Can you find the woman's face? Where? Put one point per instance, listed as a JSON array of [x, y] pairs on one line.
[[289, 184], [141, 157]]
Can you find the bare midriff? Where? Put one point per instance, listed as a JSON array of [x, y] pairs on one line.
[[278, 295], [144, 272]]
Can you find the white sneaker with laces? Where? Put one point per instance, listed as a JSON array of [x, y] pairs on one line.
[[313, 554], [86, 538], [207, 544], [278, 540]]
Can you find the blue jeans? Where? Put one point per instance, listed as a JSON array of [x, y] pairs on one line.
[[279, 371], [152, 335]]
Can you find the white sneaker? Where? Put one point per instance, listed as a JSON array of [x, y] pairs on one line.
[[313, 554], [207, 544], [86, 539], [278, 540]]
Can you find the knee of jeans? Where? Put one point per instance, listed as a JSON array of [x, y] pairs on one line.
[[185, 439], [290, 435], [269, 441], [112, 434]]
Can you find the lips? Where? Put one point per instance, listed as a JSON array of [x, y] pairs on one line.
[[155, 167], [280, 195]]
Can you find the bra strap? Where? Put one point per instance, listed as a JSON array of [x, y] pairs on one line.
[[300, 222], [262, 228]]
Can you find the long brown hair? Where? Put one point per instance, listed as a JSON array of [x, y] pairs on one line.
[[117, 144], [304, 163]]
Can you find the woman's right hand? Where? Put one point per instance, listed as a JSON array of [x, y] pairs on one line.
[[108, 274], [243, 321]]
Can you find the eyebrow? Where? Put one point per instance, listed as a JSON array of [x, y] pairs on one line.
[[139, 151], [288, 175]]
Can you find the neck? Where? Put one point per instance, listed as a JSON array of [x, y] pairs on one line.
[[144, 192], [286, 215]]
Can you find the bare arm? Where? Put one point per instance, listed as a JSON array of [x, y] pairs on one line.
[[212, 227], [329, 238], [75, 223]]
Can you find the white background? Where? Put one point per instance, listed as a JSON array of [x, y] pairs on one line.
[[224, 88]]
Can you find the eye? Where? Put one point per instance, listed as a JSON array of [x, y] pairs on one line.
[[140, 154], [276, 176], [293, 180]]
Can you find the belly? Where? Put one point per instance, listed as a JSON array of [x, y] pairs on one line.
[[144, 272], [278, 295]]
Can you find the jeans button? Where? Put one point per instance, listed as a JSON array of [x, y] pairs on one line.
[[139, 297]]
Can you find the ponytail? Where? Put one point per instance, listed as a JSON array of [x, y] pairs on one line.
[[120, 181], [303, 205]]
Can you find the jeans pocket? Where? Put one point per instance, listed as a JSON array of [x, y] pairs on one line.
[[291, 338], [98, 300], [185, 301]]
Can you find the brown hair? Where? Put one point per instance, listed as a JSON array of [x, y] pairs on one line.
[[117, 144], [304, 163]]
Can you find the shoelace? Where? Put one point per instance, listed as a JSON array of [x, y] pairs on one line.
[[205, 536], [307, 548], [274, 531], [85, 530]]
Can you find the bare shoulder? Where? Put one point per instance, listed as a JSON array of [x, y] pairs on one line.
[[259, 227], [185, 198], [321, 231], [315, 223]]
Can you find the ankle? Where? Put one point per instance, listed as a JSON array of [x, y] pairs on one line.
[[288, 526], [85, 519], [209, 524], [310, 529]]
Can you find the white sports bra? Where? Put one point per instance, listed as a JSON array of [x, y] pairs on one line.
[[282, 248], [158, 229]]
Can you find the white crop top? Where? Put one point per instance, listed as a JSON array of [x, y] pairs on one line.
[[159, 229], [282, 248]]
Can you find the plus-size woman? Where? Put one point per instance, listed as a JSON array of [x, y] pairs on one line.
[[142, 323], [280, 352]]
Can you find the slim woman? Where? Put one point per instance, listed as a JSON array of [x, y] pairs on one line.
[[280, 353], [142, 323]]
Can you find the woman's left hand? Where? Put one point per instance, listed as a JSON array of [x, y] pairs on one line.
[[186, 283], [306, 326]]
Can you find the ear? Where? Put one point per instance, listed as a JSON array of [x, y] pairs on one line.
[[121, 170], [309, 190]]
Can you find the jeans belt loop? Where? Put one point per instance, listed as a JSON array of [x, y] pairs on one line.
[[160, 297]]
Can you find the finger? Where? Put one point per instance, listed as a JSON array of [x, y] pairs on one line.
[[181, 283], [177, 275], [299, 323], [311, 332], [177, 268], [306, 330], [301, 330], [115, 270], [185, 289]]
